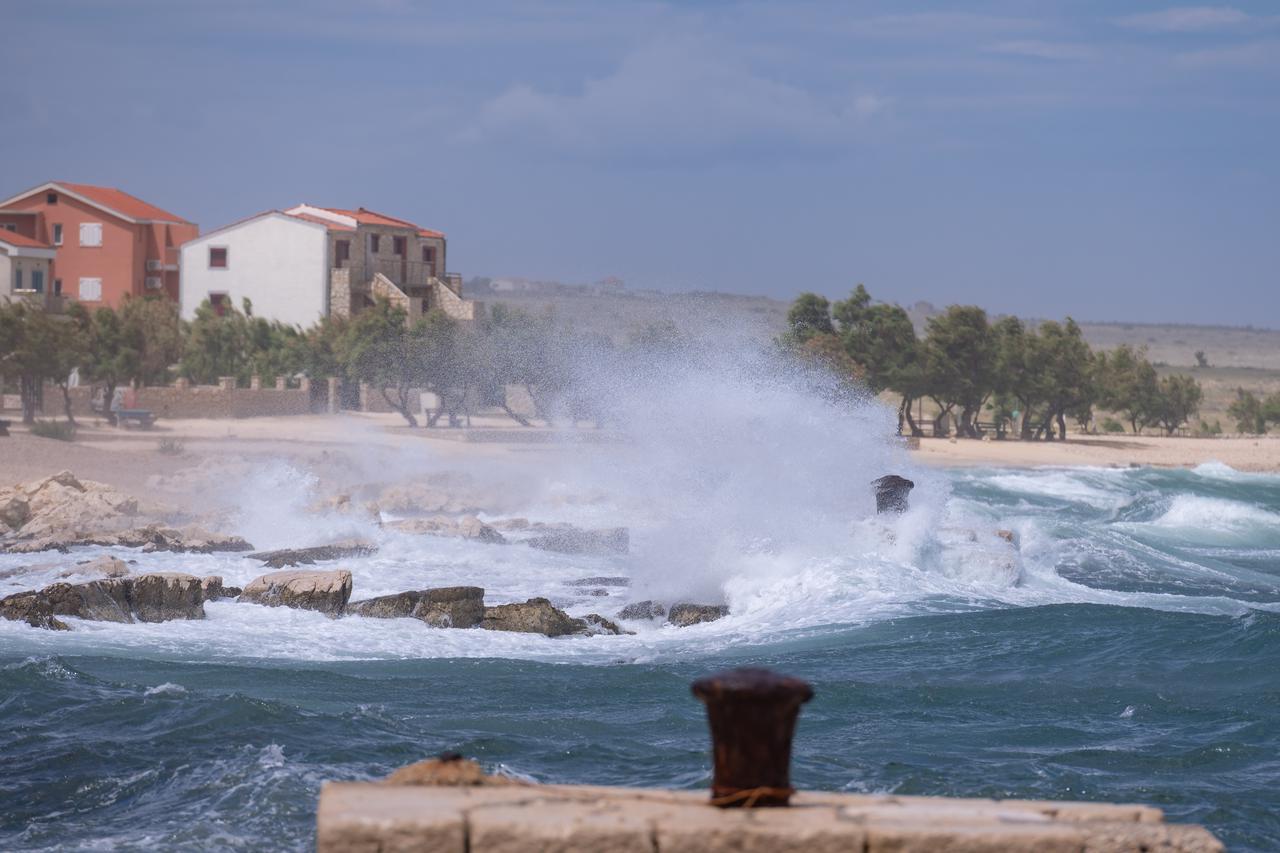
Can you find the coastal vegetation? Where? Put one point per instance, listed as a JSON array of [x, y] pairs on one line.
[[994, 376], [958, 372]]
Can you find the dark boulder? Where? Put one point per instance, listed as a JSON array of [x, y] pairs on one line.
[[445, 607], [307, 556], [603, 581], [535, 616], [32, 608], [156, 597], [643, 610], [891, 493], [597, 624], [214, 588], [163, 596], [684, 615]]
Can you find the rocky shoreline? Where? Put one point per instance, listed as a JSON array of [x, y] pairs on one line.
[[61, 512]]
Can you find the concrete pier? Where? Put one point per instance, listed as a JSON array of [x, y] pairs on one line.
[[377, 817]]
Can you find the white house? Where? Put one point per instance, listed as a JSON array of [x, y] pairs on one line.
[[308, 262], [277, 261]]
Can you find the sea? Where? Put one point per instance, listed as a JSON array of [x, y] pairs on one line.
[[1126, 649]]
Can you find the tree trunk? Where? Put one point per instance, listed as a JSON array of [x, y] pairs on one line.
[[108, 398], [29, 390], [401, 404], [1062, 427], [66, 403], [514, 415], [906, 412]]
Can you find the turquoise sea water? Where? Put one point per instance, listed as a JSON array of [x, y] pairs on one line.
[[1133, 657]]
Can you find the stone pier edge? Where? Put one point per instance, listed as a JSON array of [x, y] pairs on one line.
[[373, 817]]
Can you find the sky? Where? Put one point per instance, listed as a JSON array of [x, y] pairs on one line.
[[1112, 160]]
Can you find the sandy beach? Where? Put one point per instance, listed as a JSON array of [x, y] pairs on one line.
[[128, 459], [1254, 453]]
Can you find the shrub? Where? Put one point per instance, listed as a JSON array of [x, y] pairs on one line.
[[61, 430], [1112, 425], [1206, 429]]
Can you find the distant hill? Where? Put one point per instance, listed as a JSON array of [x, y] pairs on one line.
[[614, 311]]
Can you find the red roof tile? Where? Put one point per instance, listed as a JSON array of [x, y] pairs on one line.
[[371, 217], [15, 239], [121, 202]]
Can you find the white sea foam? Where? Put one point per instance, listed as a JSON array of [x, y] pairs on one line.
[[738, 487]]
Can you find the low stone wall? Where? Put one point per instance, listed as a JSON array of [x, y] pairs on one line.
[[370, 816], [194, 401]]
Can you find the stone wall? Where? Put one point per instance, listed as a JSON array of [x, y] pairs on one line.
[[370, 816], [182, 400]]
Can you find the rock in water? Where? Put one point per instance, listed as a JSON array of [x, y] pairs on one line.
[[601, 581], [468, 527], [449, 769], [32, 608], [611, 540], [106, 566], [473, 528], [684, 615], [155, 597], [445, 607], [535, 616], [214, 588], [597, 624], [643, 610], [326, 592], [892, 492], [163, 596], [306, 556]]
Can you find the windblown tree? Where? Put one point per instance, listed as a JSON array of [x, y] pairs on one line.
[[882, 339], [809, 315], [113, 354], [156, 324], [958, 359], [1177, 401], [1249, 413], [1065, 376], [36, 346], [1127, 384]]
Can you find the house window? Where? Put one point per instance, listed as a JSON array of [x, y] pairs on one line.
[[91, 234], [217, 257], [50, 198], [428, 254], [398, 246], [219, 302], [90, 289], [57, 233], [9, 226], [57, 287], [373, 244], [341, 253], [17, 278], [37, 281]]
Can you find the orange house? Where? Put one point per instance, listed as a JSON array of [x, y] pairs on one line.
[[109, 244]]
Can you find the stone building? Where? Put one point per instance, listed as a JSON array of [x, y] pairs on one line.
[[308, 262]]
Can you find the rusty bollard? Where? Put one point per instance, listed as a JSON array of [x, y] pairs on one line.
[[752, 713]]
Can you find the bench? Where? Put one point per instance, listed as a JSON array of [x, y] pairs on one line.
[[144, 418]]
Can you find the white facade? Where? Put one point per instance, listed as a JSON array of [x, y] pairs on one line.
[[279, 262]]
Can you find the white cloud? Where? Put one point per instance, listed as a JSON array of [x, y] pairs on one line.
[[1044, 49], [1187, 19], [679, 94]]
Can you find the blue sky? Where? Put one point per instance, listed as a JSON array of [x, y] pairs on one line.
[[1108, 160]]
